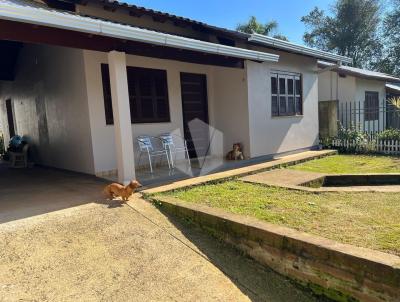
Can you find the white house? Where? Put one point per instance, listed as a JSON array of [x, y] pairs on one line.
[[82, 79], [360, 95]]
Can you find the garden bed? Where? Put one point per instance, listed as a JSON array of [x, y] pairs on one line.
[[352, 164], [363, 219]]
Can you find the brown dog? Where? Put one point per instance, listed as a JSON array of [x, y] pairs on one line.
[[236, 153], [117, 190]]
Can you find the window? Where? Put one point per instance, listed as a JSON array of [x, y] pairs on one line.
[[371, 106], [286, 94], [105, 76], [148, 95]]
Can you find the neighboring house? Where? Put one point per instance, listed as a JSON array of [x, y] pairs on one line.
[[91, 76], [360, 95], [392, 91]]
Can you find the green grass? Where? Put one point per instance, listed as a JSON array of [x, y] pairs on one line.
[[363, 219], [352, 164]]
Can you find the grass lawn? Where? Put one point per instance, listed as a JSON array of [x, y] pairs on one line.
[[352, 164], [362, 219]]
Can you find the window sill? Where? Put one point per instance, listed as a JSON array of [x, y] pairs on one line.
[[287, 116], [143, 123]]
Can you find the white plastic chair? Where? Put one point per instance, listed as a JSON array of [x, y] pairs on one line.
[[145, 143], [175, 144]]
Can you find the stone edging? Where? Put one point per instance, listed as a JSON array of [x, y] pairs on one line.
[[341, 272]]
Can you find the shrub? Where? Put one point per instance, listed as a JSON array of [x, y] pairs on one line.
[[351, 134], [389, 134]]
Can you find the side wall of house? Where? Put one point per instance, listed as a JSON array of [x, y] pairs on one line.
[[227, 99], [327, 87], [352, 90], [50, 107], [273, 135]]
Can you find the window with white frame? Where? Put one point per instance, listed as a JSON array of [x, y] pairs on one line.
[[286, 94]]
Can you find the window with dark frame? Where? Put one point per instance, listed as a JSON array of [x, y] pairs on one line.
[[148, 95], [371, 106], [286, 94]]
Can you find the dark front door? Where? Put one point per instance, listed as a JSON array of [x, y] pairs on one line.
[[195, 113], [10, 118]]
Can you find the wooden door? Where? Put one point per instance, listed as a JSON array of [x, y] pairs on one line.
[[195, 106], [10, 118]]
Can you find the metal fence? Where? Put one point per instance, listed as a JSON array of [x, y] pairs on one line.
[[370, 119]]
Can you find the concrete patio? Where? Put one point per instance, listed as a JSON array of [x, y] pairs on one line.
[[60, 241]]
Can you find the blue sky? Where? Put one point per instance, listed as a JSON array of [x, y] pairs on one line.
[[227, 13]]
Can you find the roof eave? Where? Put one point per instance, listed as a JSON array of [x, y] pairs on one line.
[[382, 78], [68, 21], [299, 49]]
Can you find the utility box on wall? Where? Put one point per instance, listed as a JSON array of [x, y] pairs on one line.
[[328, 117]]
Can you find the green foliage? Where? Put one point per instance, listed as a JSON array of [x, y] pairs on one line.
[[366, 219], [351, 29], [351, 164], [395, 102], [254, 27], [389, 134], [351, 134], [391, 34]]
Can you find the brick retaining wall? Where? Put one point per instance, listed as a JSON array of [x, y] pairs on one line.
[[339, 271]]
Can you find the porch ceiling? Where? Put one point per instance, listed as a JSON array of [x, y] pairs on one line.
[[29, 22]]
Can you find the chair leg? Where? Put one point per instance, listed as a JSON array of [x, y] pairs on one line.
[[139, 158], [188, 157], [172, 160], [168, 160], [151, 167]]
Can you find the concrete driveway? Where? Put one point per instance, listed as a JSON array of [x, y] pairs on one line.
[[59, 241]]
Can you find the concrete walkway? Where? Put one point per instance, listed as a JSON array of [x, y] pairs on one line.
[[244, 171], [60, 241], [283, 177]]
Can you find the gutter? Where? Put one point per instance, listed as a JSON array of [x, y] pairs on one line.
[[288, 46], [68, 21]]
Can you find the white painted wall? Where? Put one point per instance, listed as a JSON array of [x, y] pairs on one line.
[[50, 85], [327, 87], [351, 89], [226, 105], [230, 107], [272, 135]]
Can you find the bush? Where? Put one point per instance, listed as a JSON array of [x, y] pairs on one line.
[[389, 134], [351, 134]]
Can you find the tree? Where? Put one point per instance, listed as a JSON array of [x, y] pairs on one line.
[[351, 30], [391, 33], [254, 27]]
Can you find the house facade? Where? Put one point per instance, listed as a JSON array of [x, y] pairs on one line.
[[361, 95], [92, 76]]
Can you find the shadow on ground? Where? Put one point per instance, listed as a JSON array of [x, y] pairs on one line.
[[30, 192], [254, 280]]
